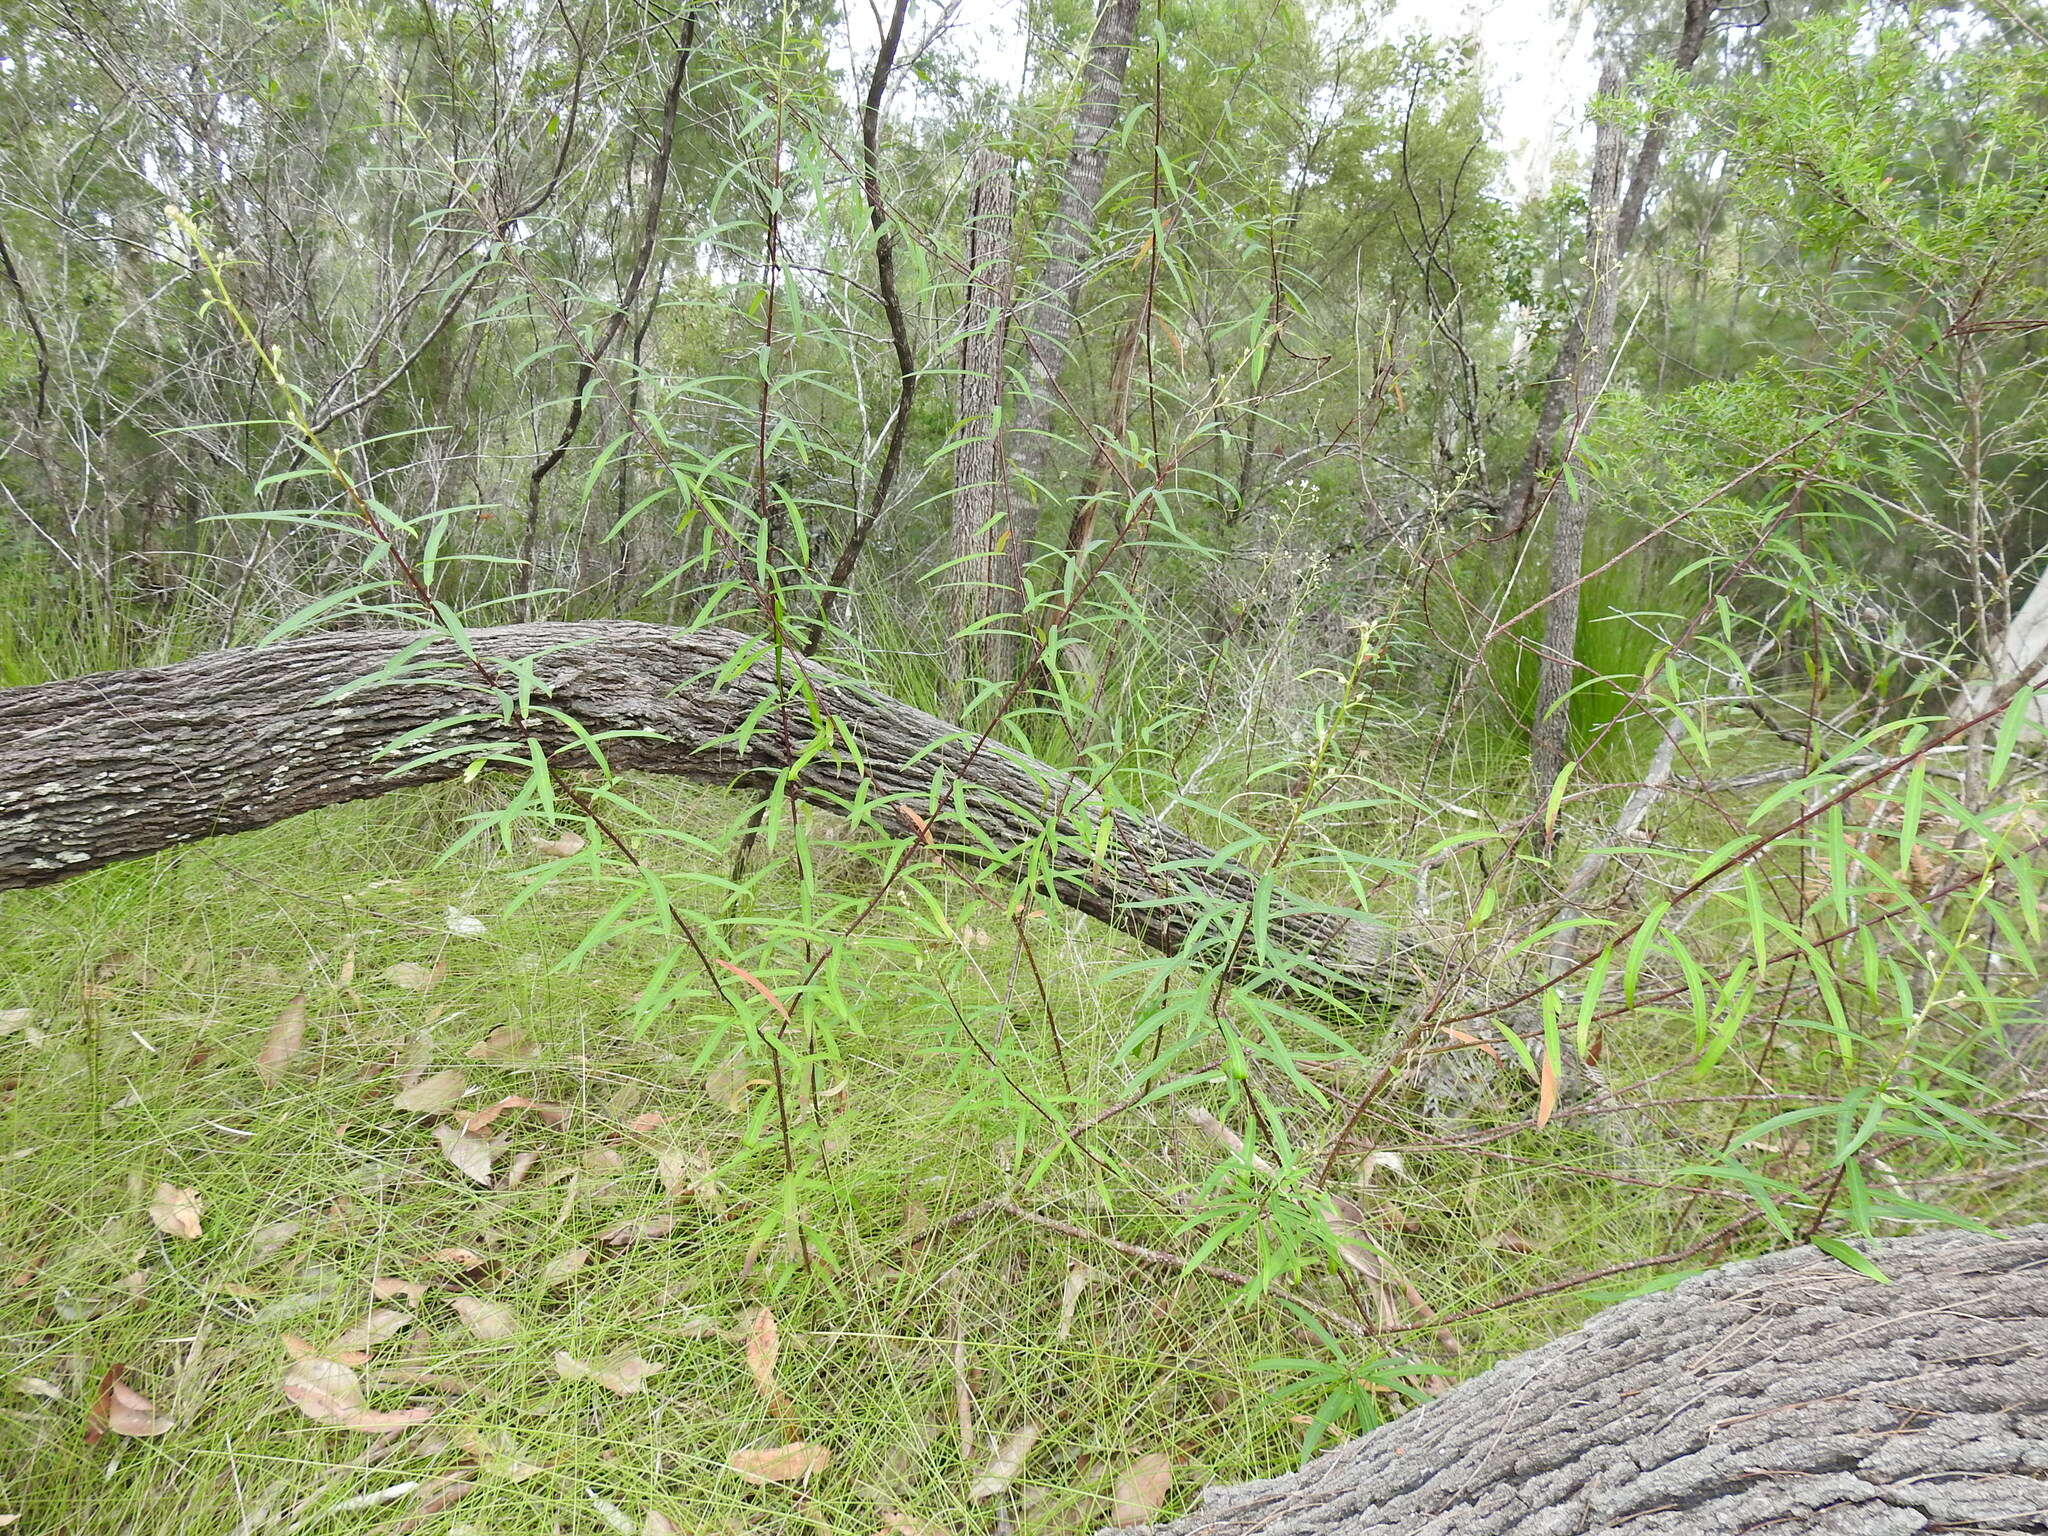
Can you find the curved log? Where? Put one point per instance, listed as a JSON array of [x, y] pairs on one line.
[[1787, 1393], [113, 766]]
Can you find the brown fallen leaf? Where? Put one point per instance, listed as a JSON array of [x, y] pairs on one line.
[[328, 1392], [411, 976], [764, 1348], [130, 1413], [561, 846], [797, 1461], [389, 1288], [909, 1525], [459, 1258], [563, 1266], [1546, 1089], [508, 1042], [1004, 1466], [287, 1036], [1141, 1490], [623, 1374], [270, 1239], [432, 1095], [687, 1173], [547, 1114], [486, 1320], [175, 1212], [471, 1155], [439, 1493], [1078, 1277], [382, 1324], [627, 1233]]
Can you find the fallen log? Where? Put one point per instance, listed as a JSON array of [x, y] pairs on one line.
[[1787, 1393], [114, 766]]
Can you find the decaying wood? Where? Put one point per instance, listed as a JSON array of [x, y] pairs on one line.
[[113, 766], [1787, 1393]]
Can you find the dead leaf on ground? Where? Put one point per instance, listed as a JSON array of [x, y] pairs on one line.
[[487, 1320], [626, 1233], [439, 1493], [726, 1086], [547, 1114], [1079, 1275], [687, 1174], [382, 1324], [328, 1392], [130, 1413], [624, 1374], [764, 1348], [411, 976], [497, 1454], [797, 1461], [655, 1523], [432, 1095], [287, 1037], [909, 1525], [269, 1240], [563, 1266], [175, 1212], [508, 1042], [1141, 1490], [463, 925], [471, 1155], [1004, 1466], [561, 846], [387, 1288], [35, 1386]]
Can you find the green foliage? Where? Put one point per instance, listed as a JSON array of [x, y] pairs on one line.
[[969, 1149]]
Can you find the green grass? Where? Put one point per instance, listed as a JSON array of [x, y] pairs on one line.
[[153, 987], [918, 1078]]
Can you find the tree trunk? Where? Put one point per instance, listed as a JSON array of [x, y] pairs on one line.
[[1048, 320], [1550, 732], [1789, 1393], [2018, 658], [983, 578], [122, 764], [900, 344], [1521, 503]]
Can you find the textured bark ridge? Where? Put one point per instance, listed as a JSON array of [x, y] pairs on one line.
[[1786, 1393], [109, 767]]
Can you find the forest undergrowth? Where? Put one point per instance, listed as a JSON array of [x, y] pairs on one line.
[[1616, 589]]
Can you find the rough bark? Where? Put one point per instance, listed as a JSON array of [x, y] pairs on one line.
[[984, 573], [1048, 320], [1787, 1393], [1521, 503], [1555, 662], [121, 764]]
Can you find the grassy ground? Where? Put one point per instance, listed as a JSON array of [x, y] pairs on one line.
[[908, 1224], [908, 1347]]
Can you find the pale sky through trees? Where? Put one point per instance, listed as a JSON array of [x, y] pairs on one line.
[[1537, 58]]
